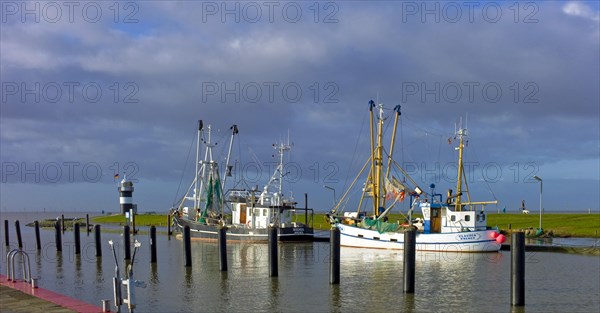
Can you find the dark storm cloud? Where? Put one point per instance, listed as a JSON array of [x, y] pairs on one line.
[[167, 65]]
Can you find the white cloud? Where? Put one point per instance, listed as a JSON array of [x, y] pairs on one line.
[[580, 9]]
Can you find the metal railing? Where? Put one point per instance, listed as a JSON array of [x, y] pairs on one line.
[[10, 265]]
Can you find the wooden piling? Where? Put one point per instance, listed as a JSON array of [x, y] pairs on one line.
[[152, 244], [18, 231], [334, 256], [58, 236], [87, 224], [306, 208], [517, 269], [38, 242], [126, 243], [133, 231], [222, 249], [409, 260], [6, 236], [187, 246], [97, 240], [77, 238], [273, 253], [169, 233]]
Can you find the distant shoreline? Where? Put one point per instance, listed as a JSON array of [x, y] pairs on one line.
[[554, 224], [159, 212]]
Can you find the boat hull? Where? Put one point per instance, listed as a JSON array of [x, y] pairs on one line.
[[242, 233], [471, 241]]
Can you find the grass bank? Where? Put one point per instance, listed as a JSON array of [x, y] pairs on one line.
[[140, 219], [561, 225]]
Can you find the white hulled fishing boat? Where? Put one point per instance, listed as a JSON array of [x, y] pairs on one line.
[[246, 214], [451, 225]]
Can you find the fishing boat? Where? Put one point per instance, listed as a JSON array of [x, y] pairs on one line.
[[245, 213], [452, 225]]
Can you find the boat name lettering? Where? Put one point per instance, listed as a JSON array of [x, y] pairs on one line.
[[468, 236]]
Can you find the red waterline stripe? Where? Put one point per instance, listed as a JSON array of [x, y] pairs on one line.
[[50, 296]]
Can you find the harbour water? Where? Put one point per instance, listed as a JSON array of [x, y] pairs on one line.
[[371, 280]]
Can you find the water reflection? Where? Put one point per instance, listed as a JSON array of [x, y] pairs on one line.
[[59, 265], [371, 280], [517, 309], [154, 280], [334, 294], [274, 299], [188, 277], [409, 303]]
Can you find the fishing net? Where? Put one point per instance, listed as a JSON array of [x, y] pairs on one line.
[[379, 225]]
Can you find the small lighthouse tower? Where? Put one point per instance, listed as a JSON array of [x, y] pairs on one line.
[[125, 197]]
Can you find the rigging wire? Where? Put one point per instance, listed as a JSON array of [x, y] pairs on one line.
[[354, 153], [484, 179], [184, 168], [401, 141]]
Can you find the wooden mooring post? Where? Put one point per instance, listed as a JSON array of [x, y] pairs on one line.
[[6, 236], [169, 233], [222, 249], [38, 242], [409, 260], [77, 238], [97, 239], [187, 246], [126, 243], [87, 224], [58, 235], [517, 269], [334, 256], [18, 231], [152, 244], [273, 253]]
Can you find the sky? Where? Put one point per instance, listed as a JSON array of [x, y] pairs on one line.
[[90, 89]]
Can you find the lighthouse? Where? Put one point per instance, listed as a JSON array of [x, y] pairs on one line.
[[125, 197]]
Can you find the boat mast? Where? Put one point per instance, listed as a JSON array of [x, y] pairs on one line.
[[196, 192], [281, 149], [372, 172], [379, 162], [207, 160], [462, 132], [233, 133], [397, 110]]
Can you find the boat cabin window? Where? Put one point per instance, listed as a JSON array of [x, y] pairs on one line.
[[453, 218], [467, 218], [264, 212], [435, 213]]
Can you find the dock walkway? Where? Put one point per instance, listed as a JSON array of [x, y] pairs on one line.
[[21, 297]]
